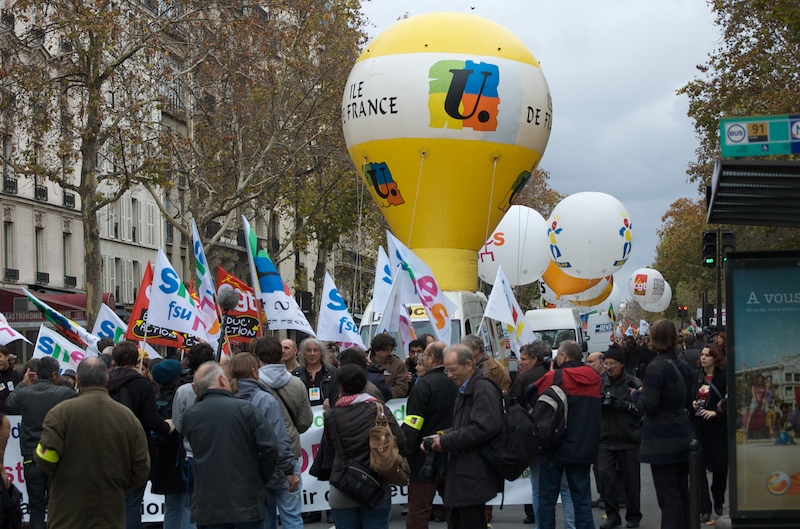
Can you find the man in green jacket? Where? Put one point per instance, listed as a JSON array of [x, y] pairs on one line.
[[95, 449]]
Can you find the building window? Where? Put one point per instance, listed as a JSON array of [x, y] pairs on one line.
[[152, 212], [40, 246], [67, 243], [8, 245]]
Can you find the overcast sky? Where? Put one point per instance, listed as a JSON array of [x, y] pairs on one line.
[[613, 68]]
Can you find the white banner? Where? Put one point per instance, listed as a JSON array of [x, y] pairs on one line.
[[383, 280], [51, 343], [437, 305], [109, 325], [7, 334], [335, 322], [171, 306], [315, 493]]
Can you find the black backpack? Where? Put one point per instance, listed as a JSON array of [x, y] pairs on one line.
[[550, 413], [515, 448]]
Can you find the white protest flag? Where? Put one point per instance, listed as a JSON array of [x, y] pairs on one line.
[[437, 305], [171, 305], [109, 325], [279, 305], [502, 306], [335, 322], [406, 331], [383, 280], [408, 290], [50, 343], [7, 333], [390, 314], [205, 291]]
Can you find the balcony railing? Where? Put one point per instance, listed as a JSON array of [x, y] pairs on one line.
[[41, 193], [69, 200], [42, 278], [10, 274], [10, 185], [70, 281], [7, 18]]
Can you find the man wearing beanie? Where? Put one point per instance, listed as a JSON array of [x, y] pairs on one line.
[[165, 474], [620, 436]]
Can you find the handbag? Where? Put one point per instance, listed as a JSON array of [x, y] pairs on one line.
[[354, 479], [384, 456], [13, 506]]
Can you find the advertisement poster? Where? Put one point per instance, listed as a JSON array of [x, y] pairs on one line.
[[764, 336]]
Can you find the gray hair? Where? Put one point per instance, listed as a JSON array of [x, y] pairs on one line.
[[324, 355], [473, 341], [463, 353], [207, 375], [571, 350]]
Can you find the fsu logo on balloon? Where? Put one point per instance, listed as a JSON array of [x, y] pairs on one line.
[[464, 94], [625, 233], [380, 178]]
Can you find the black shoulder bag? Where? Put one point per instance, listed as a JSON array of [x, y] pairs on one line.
[[354, 479]]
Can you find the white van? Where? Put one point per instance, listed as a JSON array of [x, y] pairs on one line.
[[557, 325], [600, 329], [466, 320]]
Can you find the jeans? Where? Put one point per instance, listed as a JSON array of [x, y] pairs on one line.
[[289, 505], [363, 518], [177, 508], [133, 507], [551, 473], [566, 498], [36, 482], [235, 525]]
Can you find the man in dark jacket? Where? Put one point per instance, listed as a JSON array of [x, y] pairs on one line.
[[234, 451], [429, 410], [579, 450], [620, 437], [33, 402], [127, 386], [690, 355], [9, 377], [477, 418]]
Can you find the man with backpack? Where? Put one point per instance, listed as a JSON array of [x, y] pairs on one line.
[[573, 454], [477, 419], [127, 386]]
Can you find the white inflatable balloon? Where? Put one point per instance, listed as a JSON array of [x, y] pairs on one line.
[[590, 235], [593, 295], [548, 299], [662, 303], [646, 286], [519, 245], [612, 300]]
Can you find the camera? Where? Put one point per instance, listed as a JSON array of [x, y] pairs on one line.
[[427, 444], [607, 398], [701, 403]]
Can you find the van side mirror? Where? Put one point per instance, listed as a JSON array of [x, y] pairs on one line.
[[584, 347]]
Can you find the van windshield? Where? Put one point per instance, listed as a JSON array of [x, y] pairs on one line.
[[420, 327], [554, 337]]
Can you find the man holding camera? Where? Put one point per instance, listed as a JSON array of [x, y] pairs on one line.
[[429, 410], [620, 436]]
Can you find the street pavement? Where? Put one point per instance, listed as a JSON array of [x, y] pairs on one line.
[[511, 516]]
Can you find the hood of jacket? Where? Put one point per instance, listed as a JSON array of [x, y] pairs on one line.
[[274, 375], [121, 376]]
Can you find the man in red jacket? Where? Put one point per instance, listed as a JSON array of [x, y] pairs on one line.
[[579, 449]]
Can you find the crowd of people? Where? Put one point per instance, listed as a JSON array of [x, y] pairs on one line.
[[221, 440]]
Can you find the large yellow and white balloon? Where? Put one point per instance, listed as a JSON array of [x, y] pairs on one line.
[[445, 115]]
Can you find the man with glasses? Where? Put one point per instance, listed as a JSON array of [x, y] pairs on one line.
[[392, 368]]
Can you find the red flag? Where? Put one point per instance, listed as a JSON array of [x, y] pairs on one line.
[[241, 322]]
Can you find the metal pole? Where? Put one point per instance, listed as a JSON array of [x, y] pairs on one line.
[[694, 484], [719, 281]]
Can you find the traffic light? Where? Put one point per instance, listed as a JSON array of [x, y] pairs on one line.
[[728, 243], [710, 249], [680, 311], [683, 311], [686, 311]]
